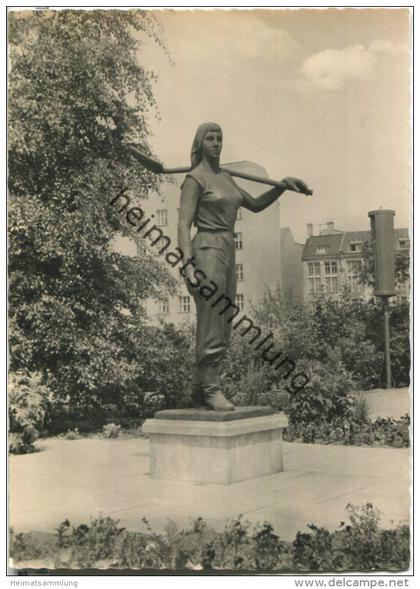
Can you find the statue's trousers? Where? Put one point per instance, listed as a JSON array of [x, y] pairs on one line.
[[214, 253]]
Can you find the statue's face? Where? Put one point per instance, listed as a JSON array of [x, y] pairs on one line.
[[213, 143]]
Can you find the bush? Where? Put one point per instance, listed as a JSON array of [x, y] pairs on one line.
[[359, 545], [352, 432], [29, 403], [361, 409], [328, 343], [167, 359], [30, 546], [250, 389], [72, 434], [399, 323], [157, 376], [349, 329], [325, 398], [89, 545], [23, 443], [111, 430]]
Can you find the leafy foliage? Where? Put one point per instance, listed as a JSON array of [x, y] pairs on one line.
[[111, 430], [358, 545], [351, 431], [346, 333], [325, 398], [168, 353], [76, 89], [29, 403], [402, 266], [338, 346]]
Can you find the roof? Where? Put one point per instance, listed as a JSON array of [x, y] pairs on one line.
[[332, 243], [354, 237], [338, 244]]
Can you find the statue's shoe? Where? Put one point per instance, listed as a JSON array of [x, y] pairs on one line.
[[218, 402]]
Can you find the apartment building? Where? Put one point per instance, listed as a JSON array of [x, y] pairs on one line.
[[333, 259], [291, 266]]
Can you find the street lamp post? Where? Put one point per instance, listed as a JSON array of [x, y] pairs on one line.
[[383, 246]]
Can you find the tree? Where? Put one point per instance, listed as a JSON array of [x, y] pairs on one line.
[[338, 333], [402, 266], [75, 90], [399, 318]]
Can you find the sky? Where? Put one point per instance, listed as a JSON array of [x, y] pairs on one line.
[[323, 95]]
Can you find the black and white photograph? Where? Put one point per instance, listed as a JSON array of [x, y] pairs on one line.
[[209, 292]]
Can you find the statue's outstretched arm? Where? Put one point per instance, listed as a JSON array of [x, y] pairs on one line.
[[259, 203]]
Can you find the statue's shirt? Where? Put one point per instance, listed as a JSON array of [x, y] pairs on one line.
[[219, 200]]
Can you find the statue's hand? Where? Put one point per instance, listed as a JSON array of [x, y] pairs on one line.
[[296, 185]]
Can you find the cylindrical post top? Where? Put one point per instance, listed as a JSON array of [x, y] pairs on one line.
[[383, 247], [381, 212]]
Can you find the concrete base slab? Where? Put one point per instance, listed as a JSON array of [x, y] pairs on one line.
[[81, 479], [220, 451]]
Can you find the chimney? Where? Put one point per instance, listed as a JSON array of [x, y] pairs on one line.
[[310, 229], [330, 226]]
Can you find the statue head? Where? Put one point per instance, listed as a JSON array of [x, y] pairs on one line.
[[197, 146]]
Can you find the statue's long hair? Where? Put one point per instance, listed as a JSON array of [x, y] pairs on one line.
[[197, 146]]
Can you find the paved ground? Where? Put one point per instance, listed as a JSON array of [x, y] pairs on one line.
[[81, 478], [388, 402]]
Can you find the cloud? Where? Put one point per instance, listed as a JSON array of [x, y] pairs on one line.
[[382, 46], [332, 68], [228, 39]]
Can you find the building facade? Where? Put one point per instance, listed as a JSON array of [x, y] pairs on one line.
[[257, 240], [334, 259], [291, 266]]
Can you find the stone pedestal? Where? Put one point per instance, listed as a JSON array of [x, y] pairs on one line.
[[223, 447]]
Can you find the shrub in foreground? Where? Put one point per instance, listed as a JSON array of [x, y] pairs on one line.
[[29, 401], [352, 432], [360, 544]]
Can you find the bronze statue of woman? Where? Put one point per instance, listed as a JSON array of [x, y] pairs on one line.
[[210, 200]]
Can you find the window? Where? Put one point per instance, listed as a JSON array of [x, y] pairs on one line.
[[184, 304], [239, 272], [404, 244], [240, 301], [330, 267], [164, 306], [314, 279], [238, 241], [314, 285], [162, 218], [355, 246], [331, 278], [314, 268], [354, 268], [322, 249], [239, 214], [331, 284]]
